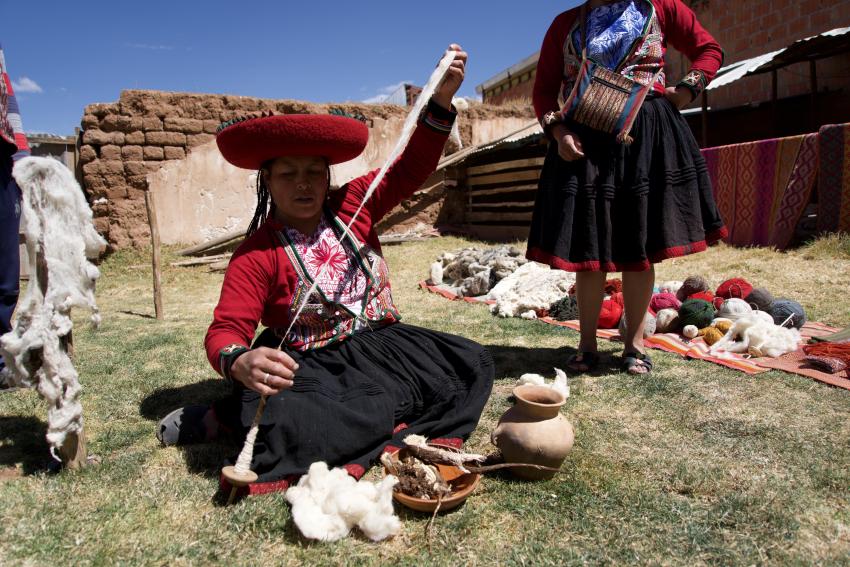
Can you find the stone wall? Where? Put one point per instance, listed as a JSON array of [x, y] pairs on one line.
[[164, 143]]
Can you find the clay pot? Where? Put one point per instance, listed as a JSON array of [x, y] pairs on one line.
[[534, 431]]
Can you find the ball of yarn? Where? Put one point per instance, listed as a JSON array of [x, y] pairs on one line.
[[722, 324], [735, 287], [613, 286], [649, 325], [760, 298], [763, 315], [690, 331], [618, 297], [565, 309], [734, 309], [706, 295], [661, 301], [782, 309], [609, 316], [696, 312], [691, 285], [667, 321], [670, 287], [711, 335]]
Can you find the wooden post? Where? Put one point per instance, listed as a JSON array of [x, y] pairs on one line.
[[73, 451], [813, 83], [155, 256], [704, 114]]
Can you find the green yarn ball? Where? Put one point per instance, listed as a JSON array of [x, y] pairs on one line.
[[565, 309], [696, 312]]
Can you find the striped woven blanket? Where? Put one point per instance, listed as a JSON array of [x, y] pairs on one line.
[[834, 178], [762, 187]]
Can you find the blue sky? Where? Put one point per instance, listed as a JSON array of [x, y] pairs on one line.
[[63, 55]]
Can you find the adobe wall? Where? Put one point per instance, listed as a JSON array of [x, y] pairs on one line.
[[163, 142]]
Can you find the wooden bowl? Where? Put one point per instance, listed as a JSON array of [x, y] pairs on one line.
[[463, 484]]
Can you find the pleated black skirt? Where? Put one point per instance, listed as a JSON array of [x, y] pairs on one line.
[[622, 208], [352, 399]]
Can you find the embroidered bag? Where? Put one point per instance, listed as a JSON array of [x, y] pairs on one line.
[[603, 99]]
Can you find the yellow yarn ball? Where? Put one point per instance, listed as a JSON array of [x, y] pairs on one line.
[[711, 335]]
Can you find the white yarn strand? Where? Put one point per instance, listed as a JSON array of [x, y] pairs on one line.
[[243, 462]]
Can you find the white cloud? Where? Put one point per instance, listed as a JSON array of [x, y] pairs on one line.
[[26, 85], [149, 46], [384, 93]]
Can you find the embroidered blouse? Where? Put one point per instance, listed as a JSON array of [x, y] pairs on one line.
[[613, 42], [271, 271]]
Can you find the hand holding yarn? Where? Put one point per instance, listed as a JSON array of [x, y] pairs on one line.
[[453, 79], [265, 370]]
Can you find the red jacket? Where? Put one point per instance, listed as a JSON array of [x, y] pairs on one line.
[[678, 26], [260, 280]]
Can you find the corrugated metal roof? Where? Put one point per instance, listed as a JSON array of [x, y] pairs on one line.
[[818, 46], [518, 68], [531, 131]]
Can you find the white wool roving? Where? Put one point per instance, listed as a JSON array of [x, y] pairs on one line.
[[560, 384], [327, 504], [758, 337], [57, 223], [531, 288]]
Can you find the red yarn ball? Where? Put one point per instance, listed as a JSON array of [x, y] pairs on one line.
[[613, 286], [661, 301], [706, 295], [618, 297], [609, 316], [735, 287]]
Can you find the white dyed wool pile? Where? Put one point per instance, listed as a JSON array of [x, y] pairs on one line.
[[328, 504], [757, 337], [472, 272], [57, 223], [530, 290], [559, 384]]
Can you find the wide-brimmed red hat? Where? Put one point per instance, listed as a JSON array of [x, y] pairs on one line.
[[250, 142]]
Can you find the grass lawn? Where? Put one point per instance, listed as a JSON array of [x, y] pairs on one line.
[[694, 464]]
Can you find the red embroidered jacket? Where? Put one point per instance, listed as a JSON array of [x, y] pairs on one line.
[[261, 284], [671, 21]]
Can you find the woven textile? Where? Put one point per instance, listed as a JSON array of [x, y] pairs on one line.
[[834, 178], [762, 187]]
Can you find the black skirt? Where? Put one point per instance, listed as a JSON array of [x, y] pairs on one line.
[[622, 207], [352, 399]]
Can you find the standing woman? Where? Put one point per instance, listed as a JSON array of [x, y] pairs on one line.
[[609, 204]]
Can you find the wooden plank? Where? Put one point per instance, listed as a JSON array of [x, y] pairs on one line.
[[527, 175], [202, 261], [500, 190], [502, 204], [513, 164], [499, 217], [212, 243]]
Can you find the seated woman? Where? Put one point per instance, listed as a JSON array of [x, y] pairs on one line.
[[350, 379]]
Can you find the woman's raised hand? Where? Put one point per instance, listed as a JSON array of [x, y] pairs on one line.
[[453, 79], [264, 370]]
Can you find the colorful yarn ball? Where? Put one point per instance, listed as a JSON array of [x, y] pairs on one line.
[[782, 309], [706, 295], [649, 325], [618, 297], [670, 287], [667, 321], [711, 335], [691, 285], [661, 301], [696, 312], [613, 286], [565, 309], [735, 287], [760, 298], [734, 309], [690, 331], [609, 316], [723, 325]]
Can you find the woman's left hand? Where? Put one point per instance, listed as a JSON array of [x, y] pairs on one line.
[[454, 77], [679, 96]]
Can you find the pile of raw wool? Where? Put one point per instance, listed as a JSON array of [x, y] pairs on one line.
[[530, 291], [472, 272]]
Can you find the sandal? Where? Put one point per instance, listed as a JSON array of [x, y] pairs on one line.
[[589, 360], [632, 360], [183, 426]]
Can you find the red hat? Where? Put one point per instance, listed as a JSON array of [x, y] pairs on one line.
[[250, 142]]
